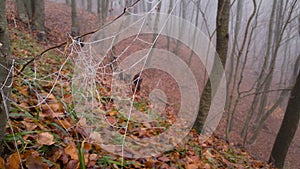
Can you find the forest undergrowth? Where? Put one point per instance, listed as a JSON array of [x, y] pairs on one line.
[[44, 131]]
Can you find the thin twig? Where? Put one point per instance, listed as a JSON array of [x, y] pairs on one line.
[[263, 92]]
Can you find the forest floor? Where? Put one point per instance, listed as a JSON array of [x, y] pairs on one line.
[[50, 135]]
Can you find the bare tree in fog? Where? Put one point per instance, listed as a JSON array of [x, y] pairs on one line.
[[5, 74], [288, 127], [75, 26]]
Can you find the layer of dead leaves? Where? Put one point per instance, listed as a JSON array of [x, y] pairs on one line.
[[50, 135]]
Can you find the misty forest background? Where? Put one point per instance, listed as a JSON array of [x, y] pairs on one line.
[[258, 44]]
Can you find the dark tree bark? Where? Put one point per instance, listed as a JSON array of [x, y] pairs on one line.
[[5, 64], [38, 18], [222, 23], [74, 27], [89, 5], [288, 127], [68, 2], [23, 13], [33, 13]]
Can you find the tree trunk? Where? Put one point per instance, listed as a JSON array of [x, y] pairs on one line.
[[32, 12], [288, 127], [222, 23], [5, 63], [104, 11], [38, 17], [68, 2], [74, 28], [89, 5], [22, 11]]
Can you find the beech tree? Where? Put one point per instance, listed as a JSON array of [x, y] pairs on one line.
[[222, 22], [5, 64], [74, 27], [32, 12], [288, 127]]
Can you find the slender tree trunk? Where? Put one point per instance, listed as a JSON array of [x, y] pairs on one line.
[[74, 27], [5, 63], [222, 48], [68, 2], [288, 127], [38, 17], [21, 11], [32, 12], [89, 5], [104, 11]]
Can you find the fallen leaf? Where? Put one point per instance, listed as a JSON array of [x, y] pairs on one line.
[[23, 90], [2, 164], [56, 107], [65, 124], [13, 161], [192, 166], [29, 126], [164, 159], [73, 164], [206, 166], [72, 151], [96, 138], [64, 157], [35, 163], [68, 98], [55, 154], [45, 138], [92, 160]]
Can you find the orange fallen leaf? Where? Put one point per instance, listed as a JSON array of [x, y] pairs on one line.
[[192, 166], [68, 98], [23, 90], [45, 138], [65, 123], [72, 151], [56, 107], [13, 161], [2, 164]]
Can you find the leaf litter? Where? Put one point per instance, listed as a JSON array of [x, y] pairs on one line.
[[51, 136]]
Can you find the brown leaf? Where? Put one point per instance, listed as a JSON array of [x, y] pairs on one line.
[[56, 107], [13, 161], [192, 166], [29, 126], [2, 163], [206, 166], [35, 163], [45, 138], [68, 98], [56, 154], [164, 159], [23, 90], [73, 164], [64, 157], [149, 163], [72, 151], [111, 120], [92, 160], [65, 123]]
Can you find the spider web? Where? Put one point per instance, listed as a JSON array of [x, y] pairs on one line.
[[107, 101]]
